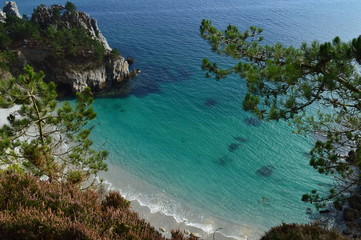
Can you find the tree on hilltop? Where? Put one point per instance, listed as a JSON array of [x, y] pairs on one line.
[[284, 82], [46, 138], [70, 7]]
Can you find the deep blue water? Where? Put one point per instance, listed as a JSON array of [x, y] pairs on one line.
[[181, 143]]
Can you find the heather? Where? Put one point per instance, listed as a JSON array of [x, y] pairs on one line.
[[34, 209]]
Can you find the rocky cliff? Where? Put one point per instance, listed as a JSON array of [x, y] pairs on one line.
[[71, 74]]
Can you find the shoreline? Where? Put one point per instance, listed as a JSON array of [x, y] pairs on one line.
[[163, 219], [165, 223]]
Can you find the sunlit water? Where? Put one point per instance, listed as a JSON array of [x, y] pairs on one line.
[[181, 144]]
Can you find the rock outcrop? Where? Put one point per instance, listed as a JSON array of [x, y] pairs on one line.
[[11, 9], [77, 76], [74, 74]]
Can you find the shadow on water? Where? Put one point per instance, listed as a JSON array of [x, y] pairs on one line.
[[240, 139], [233, 147], [253, 121], [149, 81], [265, 171], [223, 161], [210, 102]]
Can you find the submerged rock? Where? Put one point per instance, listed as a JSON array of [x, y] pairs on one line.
[[251, 121], [265, 171], [233, 147], [240, 139], [11, 9], [224, 161], [210, 102]]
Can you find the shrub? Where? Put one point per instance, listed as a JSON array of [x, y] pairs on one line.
[[34, 209], [69, 6], [301, 232]]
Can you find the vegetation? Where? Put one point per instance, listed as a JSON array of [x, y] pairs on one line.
[[33, 209], [301, 232], [56, 36], [70, 6], [45, 138], [288, 83]]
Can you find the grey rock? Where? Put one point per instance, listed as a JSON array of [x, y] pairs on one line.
[[349, 214], [76, 77], [346, 232], [11, 9], [355, 202]]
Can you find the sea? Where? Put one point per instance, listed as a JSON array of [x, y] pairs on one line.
[[179, 142]]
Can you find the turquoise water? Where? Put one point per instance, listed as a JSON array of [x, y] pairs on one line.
[[181, 144]]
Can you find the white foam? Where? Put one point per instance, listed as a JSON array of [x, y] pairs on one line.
[[159, 202]]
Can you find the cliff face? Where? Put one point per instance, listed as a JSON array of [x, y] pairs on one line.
[[73, 74]]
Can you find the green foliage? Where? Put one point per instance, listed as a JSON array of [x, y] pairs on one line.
[[288, 83], [114, 53], [69, 6], [55, 36], [301, 232], [72, 43], [46, 138], [19, 29]]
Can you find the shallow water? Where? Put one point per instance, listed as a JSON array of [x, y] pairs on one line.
[[181, 143]]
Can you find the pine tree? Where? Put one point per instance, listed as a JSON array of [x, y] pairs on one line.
[[284, 82], [45, 138]]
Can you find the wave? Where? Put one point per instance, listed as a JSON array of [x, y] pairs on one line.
[[158, 202]]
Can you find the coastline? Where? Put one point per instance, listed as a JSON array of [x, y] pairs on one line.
[[165, 220]]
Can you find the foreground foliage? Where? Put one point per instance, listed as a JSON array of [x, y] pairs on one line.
[[44, 137], [33, 209], [292, 83], [301, 232]]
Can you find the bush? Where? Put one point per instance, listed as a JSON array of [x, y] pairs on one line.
[[69, 6], [33, 209], [301, 232]]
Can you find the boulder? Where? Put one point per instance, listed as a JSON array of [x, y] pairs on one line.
[[11, 9], [346, 232], [130, 60], [325, 211], [351, 158], [349, 214], [355, 202]]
